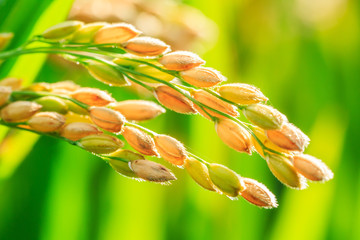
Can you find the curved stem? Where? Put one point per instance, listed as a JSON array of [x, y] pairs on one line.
[[212, 92], [114, 158], [177, 75], [58, 137], [87, 48], [153, 134], [44, 94], [18, 126], [198, 159], [123, 69], [148, 131], [11, 53]]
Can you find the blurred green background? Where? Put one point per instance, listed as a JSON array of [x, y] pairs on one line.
[[303, 54]]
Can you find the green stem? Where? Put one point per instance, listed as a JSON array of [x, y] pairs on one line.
[[123, 69], [171, 72], [198, 159], [212, 92], [151, 133], [83, 47], [115, 158], [11, 53], [18, 126], [177, 75], [86, 47], [201, 105], [186, 88], [185, 94], [150, 88], [44, 94], [210, 108], [58, 137]]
